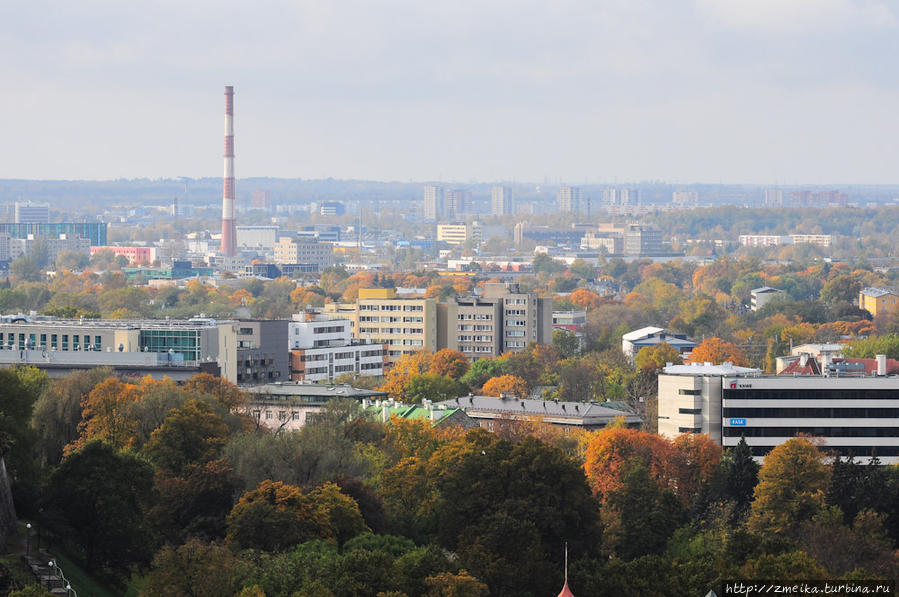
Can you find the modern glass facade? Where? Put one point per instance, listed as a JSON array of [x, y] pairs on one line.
[[95, 232], [185, 342]]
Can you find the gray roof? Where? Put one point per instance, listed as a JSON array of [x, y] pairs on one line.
[[590, 411], [876, 292], [765, 289], [295, 389]]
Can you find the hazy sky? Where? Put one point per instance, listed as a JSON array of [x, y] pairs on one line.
[[761, 91]]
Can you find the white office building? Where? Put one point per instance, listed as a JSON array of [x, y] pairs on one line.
[[850, 415]]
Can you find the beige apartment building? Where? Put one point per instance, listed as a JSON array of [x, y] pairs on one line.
[[404, 325], [291, 250], [500, 319], [460, 233]]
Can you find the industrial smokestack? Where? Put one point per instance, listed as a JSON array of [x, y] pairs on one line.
[[229, 230]]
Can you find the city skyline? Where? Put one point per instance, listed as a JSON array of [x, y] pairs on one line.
[[780, 92]]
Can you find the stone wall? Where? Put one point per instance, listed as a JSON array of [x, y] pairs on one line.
[[7, 510]]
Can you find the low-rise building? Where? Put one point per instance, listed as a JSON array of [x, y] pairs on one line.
[[489, 412], [292, 250], [759, 297], [632, 342], [460, 233], [878, 300], [134, 255], [289, 405], [437, 414]]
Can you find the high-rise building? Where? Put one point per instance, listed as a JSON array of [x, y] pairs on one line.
[[261, 199], [568, 199], [774, 198], [640, 240], [457, 202], [501, 201], [435, 202], [32, 213]]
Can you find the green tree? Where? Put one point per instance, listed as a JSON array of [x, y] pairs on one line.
[[197, 569], [342, 511], [581, 268], [566, 343], [482, 370], [868, 348], [840, 289], [195, 504], [792, 488], [639, 517], [58, 411], [546, 264], [19, 390], [656, 357], [192, 434], [431, 386], [97, 498], [741, 473]]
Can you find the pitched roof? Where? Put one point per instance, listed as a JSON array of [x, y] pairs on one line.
[[875, 292], [566, 592], [641, 333]]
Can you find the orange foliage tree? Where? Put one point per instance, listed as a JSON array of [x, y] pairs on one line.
[[496, 386], [449, 362], [403, 370], [585, 299], [717, 351], [104, 415]]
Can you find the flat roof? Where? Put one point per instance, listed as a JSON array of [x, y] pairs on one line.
[[296, 388], [549, 408], [722, 370]]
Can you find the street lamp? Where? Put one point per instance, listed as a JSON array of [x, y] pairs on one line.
[[28, 539]]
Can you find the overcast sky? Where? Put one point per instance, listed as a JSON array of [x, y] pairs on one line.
[[760, 91]]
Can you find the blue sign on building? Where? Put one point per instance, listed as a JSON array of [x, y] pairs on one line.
[[738, 422]]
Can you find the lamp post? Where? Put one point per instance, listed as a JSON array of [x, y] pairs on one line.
[[28, 539]]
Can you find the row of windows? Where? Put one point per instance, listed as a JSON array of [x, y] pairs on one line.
[[475, 338], [808, 394], [685, 392], [690, 411], [40, 341], [391, 308], [475, 328], [817, 413], [331, 329], [370, 366], [466, 348], [813, 431], [857, 451], [515, 344], [475, 316]]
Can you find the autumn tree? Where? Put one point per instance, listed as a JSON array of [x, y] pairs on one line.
[[192, 434], [397, 379], [449, 363], [431, 386], [497, 386], [195, 568], [792, 488], [58, 411], [275, 516], [656, 357], [717, 351], [104, 415]]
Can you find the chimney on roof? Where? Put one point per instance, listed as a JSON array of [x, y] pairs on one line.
[[881, 364]]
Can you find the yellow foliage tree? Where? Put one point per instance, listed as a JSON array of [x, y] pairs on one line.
[[404, 370], [497, 386]]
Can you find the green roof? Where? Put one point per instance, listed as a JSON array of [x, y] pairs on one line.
[[406, 411]]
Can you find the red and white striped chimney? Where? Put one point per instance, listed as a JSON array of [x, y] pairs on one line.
[[229, 230]]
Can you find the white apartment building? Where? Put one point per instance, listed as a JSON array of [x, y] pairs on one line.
[[322, 348], [460, 233]]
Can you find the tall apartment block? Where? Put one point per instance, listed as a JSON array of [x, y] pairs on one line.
[[568, 199], [457, 202], [501, 201], [501, 319], [435, 202]]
